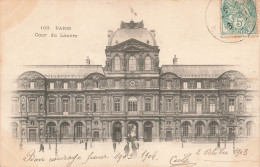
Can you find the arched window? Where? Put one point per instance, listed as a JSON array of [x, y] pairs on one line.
[[132, 63], [15, 129], [51, 127], [185, 129], [117, 63], [132, 104], [64, 129], [249, 128], [213, 128], [148, 63], [78, 129], [199, 127]]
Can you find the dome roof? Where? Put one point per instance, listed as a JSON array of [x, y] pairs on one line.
[[132, 30]]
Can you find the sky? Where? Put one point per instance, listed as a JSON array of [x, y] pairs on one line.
[[180, 26]]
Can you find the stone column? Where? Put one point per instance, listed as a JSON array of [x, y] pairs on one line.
[[109, 132], [123, 131], [140, 131], [155, 130]]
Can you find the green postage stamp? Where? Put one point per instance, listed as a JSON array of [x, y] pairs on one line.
[[238, 18]]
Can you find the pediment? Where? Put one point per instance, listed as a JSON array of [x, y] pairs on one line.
[[132, 45]]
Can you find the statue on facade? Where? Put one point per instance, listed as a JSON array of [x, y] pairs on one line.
[[140, 64], [108, 63], [156, 63], [124, 63]]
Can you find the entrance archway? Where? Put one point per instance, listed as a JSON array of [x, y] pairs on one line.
[[117, 132], [132, 131], [148, 126]]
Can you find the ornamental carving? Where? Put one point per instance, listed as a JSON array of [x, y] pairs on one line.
[[132, 25], [232, 80], [25, 84], [31, 76], [132, 45], [95, 77]]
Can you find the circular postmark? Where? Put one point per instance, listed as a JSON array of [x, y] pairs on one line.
[[231, 21]]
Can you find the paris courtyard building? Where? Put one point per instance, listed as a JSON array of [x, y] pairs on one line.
[[134, 96]]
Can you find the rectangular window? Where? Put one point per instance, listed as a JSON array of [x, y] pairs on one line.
[[231, 106], [168, 104], [78, 86], [31, 85], [249, 105], [65, 86], [198, 106], [51, 85], [65, 105], [185, 85], [212, 85], [15, 106], [198, 85], [52, 105], [212, 104], [32, 105], [117, 104], [185, 105], [148, 104], [78, 105], [132, 106]]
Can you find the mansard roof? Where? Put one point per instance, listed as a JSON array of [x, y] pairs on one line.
[[64, 71], [198, 71]]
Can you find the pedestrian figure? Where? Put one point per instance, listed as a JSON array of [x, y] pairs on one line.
[[41, 148], [126, 149], [86, 144], [134, 149], [114, 146], [137, 145], [91, 143], [218, 142]]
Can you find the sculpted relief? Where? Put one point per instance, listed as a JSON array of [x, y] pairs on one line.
[[232, 80]]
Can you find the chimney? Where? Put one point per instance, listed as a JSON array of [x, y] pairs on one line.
[[87, 61], [174, 60], [109, 34]]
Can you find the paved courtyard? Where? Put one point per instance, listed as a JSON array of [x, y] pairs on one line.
[[152, 154]]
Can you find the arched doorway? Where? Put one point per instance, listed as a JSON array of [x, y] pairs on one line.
[[148, 126], [249, 128], [132, 131], [64, 130], [78, 130], [185, 129], [117, 132]]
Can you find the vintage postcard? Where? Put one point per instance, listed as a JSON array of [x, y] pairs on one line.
[[159, 83]]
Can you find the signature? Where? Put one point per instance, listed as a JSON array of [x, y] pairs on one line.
[[176, 161]]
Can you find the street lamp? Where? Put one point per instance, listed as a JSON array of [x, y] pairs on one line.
[[234, 137], [48, 136], [56, 137]]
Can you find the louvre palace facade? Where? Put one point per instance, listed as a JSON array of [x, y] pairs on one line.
[[133, 96]]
